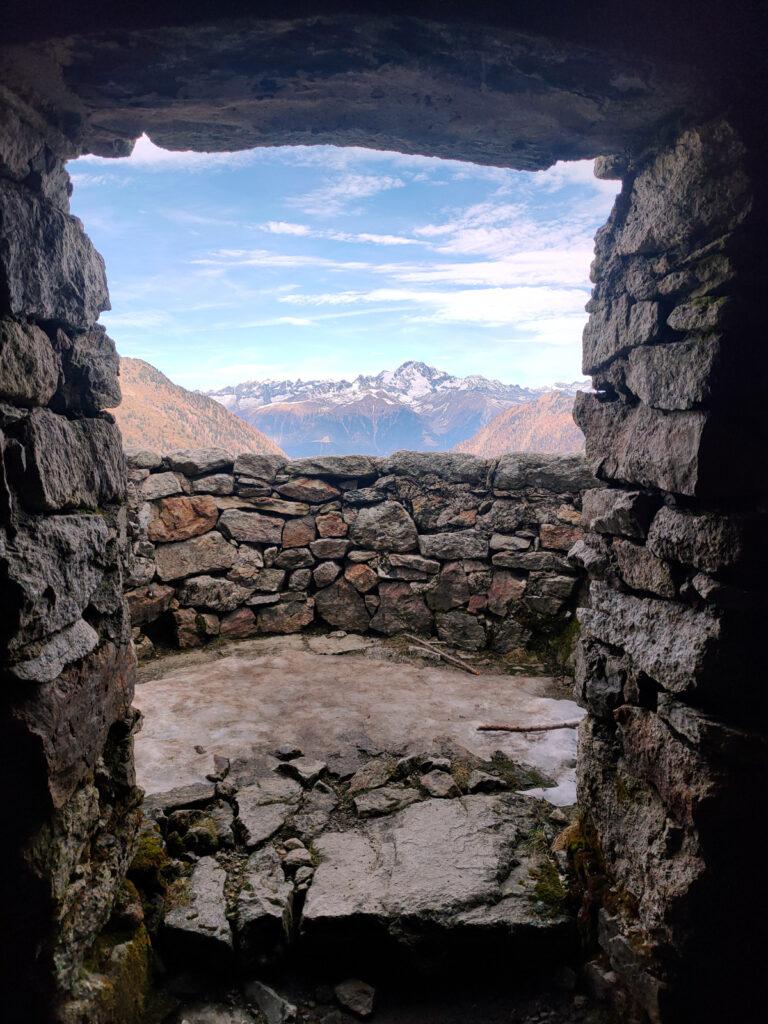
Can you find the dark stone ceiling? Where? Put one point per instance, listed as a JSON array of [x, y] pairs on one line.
[[517, 84]]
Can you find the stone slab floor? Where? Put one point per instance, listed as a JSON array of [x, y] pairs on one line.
[[246, 698], [328, 810]]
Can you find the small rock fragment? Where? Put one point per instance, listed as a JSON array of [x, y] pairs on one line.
[[276, 1010], [303, 769], [482, 782], [356, 996], [298, 858], [439, 784], [287, 752]]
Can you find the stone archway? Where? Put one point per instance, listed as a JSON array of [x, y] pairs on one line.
[[670, 650]]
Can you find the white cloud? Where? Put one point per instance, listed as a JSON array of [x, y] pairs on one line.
[[282, 227]]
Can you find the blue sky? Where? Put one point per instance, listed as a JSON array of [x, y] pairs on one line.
[[319, 261]]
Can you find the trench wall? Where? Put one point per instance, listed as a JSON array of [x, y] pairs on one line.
[[469, 550]]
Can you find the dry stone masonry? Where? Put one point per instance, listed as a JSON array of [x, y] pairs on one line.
[[469, 550], [671, 650], [673, 754]]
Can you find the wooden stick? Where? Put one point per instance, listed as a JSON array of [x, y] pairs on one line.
[[446, 657], [572, 723]]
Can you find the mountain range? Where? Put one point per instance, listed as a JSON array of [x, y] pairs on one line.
[[415, 407], [155, 413], [543, 425]]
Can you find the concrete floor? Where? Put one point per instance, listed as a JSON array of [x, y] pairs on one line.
[[249, 697]]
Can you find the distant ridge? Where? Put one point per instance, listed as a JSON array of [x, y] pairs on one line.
[[416, 407], [543, 425], [158, 414]]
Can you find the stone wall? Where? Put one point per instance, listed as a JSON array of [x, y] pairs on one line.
[[66, 660], [471, 550], [671, 756]]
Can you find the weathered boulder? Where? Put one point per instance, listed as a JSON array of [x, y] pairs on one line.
[[238, 625], [361, 576], [51, 569], [248, 562], [548, 595], [250, 527], [179, 518], [199, 461], [326, 573], [142, 458], [332, 524], [208, 553], [329, 547], [450, 546], [299, 533], [48, 266], [42, 662], [384, 527], [29, 367], [505, 589], [400, 610], [676, 376], [221, 595], [342, 606], [642, 570], [617, 326], [279, 506], [264, 806]]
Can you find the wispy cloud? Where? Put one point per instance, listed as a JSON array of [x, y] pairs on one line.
[[341, 195]]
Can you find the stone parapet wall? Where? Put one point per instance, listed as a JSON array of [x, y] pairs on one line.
[[470, 550]]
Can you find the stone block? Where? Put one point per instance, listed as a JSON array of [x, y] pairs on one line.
[[384, 527], [49, 269], [217, 483], [179, 518], [452, 467], [218, 594], [161, 485], [400, 610], [450, 546], [250, 527], [349, 466], [209, 553], [29, 367], [610, 510], [238, 625], [682, 375], [286, 617], [642, 570], [343, 607], [309, 489], [70, 464], [299, 533], [673, 644], [561, 473], [90, 369], [707, 540], [200, 461], [460, 629], [262, 467]]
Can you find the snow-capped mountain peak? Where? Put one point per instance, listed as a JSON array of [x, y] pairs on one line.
[[414, 406]]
